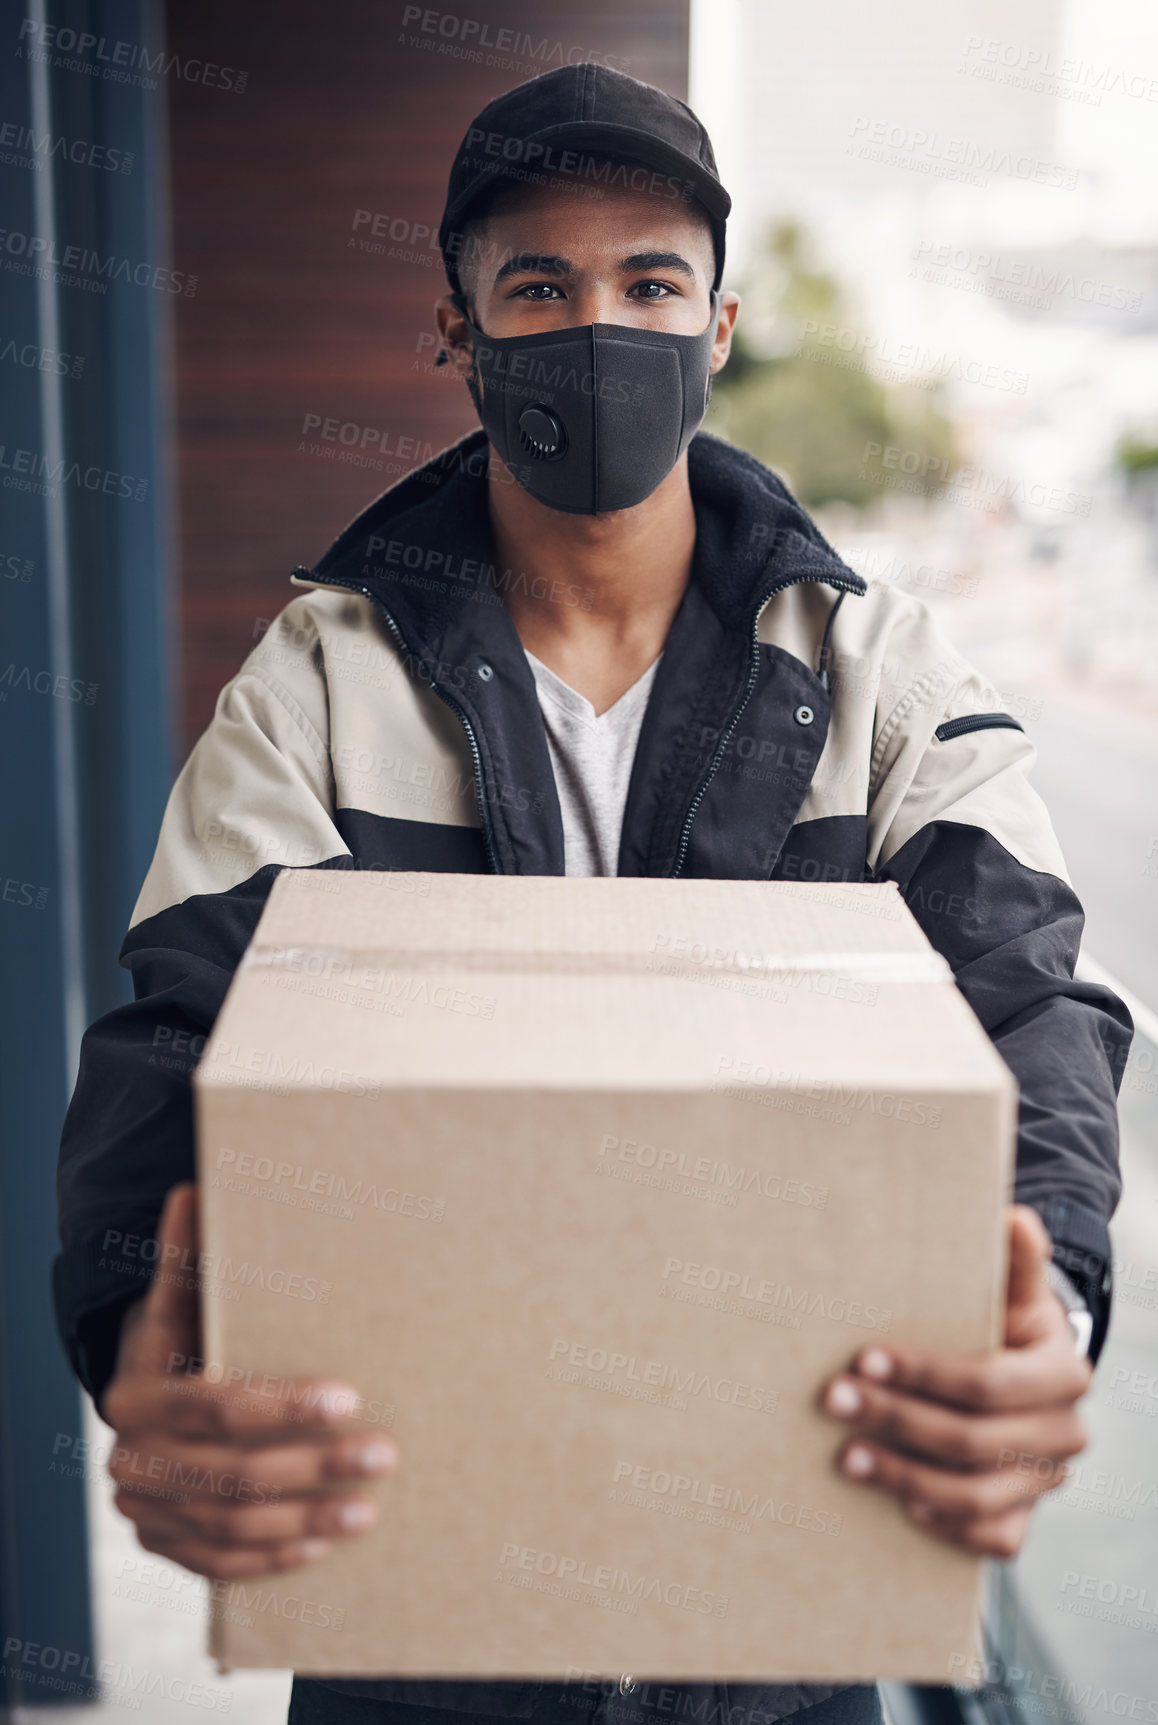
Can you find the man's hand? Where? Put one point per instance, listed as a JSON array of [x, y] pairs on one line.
[[228, 1482], [968, 1443]]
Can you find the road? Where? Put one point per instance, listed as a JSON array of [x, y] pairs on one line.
[[1098, 774]]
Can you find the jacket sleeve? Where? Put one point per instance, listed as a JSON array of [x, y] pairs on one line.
[[955, 822], [255, 796]]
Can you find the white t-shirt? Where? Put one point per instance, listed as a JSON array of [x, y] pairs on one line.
[[592, 758]]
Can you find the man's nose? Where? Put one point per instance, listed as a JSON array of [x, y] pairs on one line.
[[597, 304]]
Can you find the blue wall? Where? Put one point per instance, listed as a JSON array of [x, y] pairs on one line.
[[85, 690]]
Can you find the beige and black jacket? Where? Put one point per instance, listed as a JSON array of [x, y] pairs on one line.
[[804, 725]]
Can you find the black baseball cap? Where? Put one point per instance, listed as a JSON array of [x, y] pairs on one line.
[[551, 125]]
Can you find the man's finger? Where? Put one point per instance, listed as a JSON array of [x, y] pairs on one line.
[[1029, 1253], [1046, 1374], [999, 1536], [209, 1470], [171, 1319], [927, 1490], [220, 1563], [231, 1524], [188, 1406], [947, 1435]]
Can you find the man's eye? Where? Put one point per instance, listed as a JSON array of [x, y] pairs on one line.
[[650, 290], [537, 291]]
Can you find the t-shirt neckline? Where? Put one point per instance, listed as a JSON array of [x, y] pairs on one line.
[[552, 685]]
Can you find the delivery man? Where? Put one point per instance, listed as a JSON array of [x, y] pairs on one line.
[[589, 639]]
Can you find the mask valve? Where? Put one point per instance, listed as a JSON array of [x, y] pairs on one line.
[[541, 434]]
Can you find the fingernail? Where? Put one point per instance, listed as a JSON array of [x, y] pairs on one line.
[[843, 1399], [376, 1457], [338, 1400], [313, 1548], [875, 1363], [858, 1462], [356, 1513]]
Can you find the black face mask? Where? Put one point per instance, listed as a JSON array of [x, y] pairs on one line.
[[592, 418]]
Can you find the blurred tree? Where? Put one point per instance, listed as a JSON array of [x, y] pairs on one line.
[[1136, 455], [810, 409]]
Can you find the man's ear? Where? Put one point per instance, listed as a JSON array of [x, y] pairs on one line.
[[722, 346], [454, 331]]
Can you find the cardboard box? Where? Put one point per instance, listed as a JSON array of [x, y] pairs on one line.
[[588, 1185]]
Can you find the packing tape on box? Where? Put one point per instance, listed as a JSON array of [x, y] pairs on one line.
[[318, 961]]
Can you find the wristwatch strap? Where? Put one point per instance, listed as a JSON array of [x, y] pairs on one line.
[[1078, 1314]]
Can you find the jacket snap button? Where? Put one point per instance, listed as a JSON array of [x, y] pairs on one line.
[[485, 672], [804, 715], [626, 1684]]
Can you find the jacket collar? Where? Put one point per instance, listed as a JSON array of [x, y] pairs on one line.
[[424, 548]]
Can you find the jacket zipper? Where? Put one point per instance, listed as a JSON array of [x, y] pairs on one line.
[[476, 756], [472, 739], [726, 735]]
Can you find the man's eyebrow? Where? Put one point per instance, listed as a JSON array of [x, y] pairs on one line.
[[656, 261], [534, 263]]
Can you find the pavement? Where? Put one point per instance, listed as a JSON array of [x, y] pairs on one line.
[[1089, 1571]]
